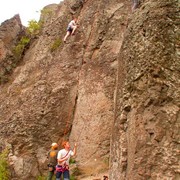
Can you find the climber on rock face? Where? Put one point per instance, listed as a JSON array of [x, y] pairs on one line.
[[72, 26]]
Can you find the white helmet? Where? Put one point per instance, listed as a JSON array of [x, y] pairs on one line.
[[54, 145]]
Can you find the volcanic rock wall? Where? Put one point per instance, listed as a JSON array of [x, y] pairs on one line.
[[72, 91], [145, 141], [10, 31], [65, 91]]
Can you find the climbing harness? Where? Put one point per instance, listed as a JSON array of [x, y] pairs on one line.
[[60, 168]]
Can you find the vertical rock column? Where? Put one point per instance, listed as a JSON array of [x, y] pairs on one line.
[[145, 139]]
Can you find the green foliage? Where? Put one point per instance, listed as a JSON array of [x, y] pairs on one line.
[[75, 172], [18, 50], [72, 161], [33, 27], [55, 45], [24, 40], [41, 178], [3, 79], [4, 172], [44, 178], [106, 161], [72, 177], [11, 61]]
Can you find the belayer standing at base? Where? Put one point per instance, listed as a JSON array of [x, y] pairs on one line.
[[63, 161], [52, 160], [72, 26]]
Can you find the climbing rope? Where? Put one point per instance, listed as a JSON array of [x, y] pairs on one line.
[[67, 122]]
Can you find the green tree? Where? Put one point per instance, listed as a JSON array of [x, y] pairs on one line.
[[4, 172], [33, 27], [18, 50], [55, 45]]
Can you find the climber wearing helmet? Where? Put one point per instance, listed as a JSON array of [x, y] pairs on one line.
[[72, 26], [52, 160]]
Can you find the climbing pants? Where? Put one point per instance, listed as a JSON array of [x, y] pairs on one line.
[[65, 175], [50, 175]]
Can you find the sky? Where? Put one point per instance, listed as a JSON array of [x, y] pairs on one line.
[[27, 9]]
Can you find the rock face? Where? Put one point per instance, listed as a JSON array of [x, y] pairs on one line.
[[145, 139], [72, 91], [66, 91], [9, 33]]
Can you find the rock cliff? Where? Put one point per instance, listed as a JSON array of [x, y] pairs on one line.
[[113, 88], [145, 138]]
